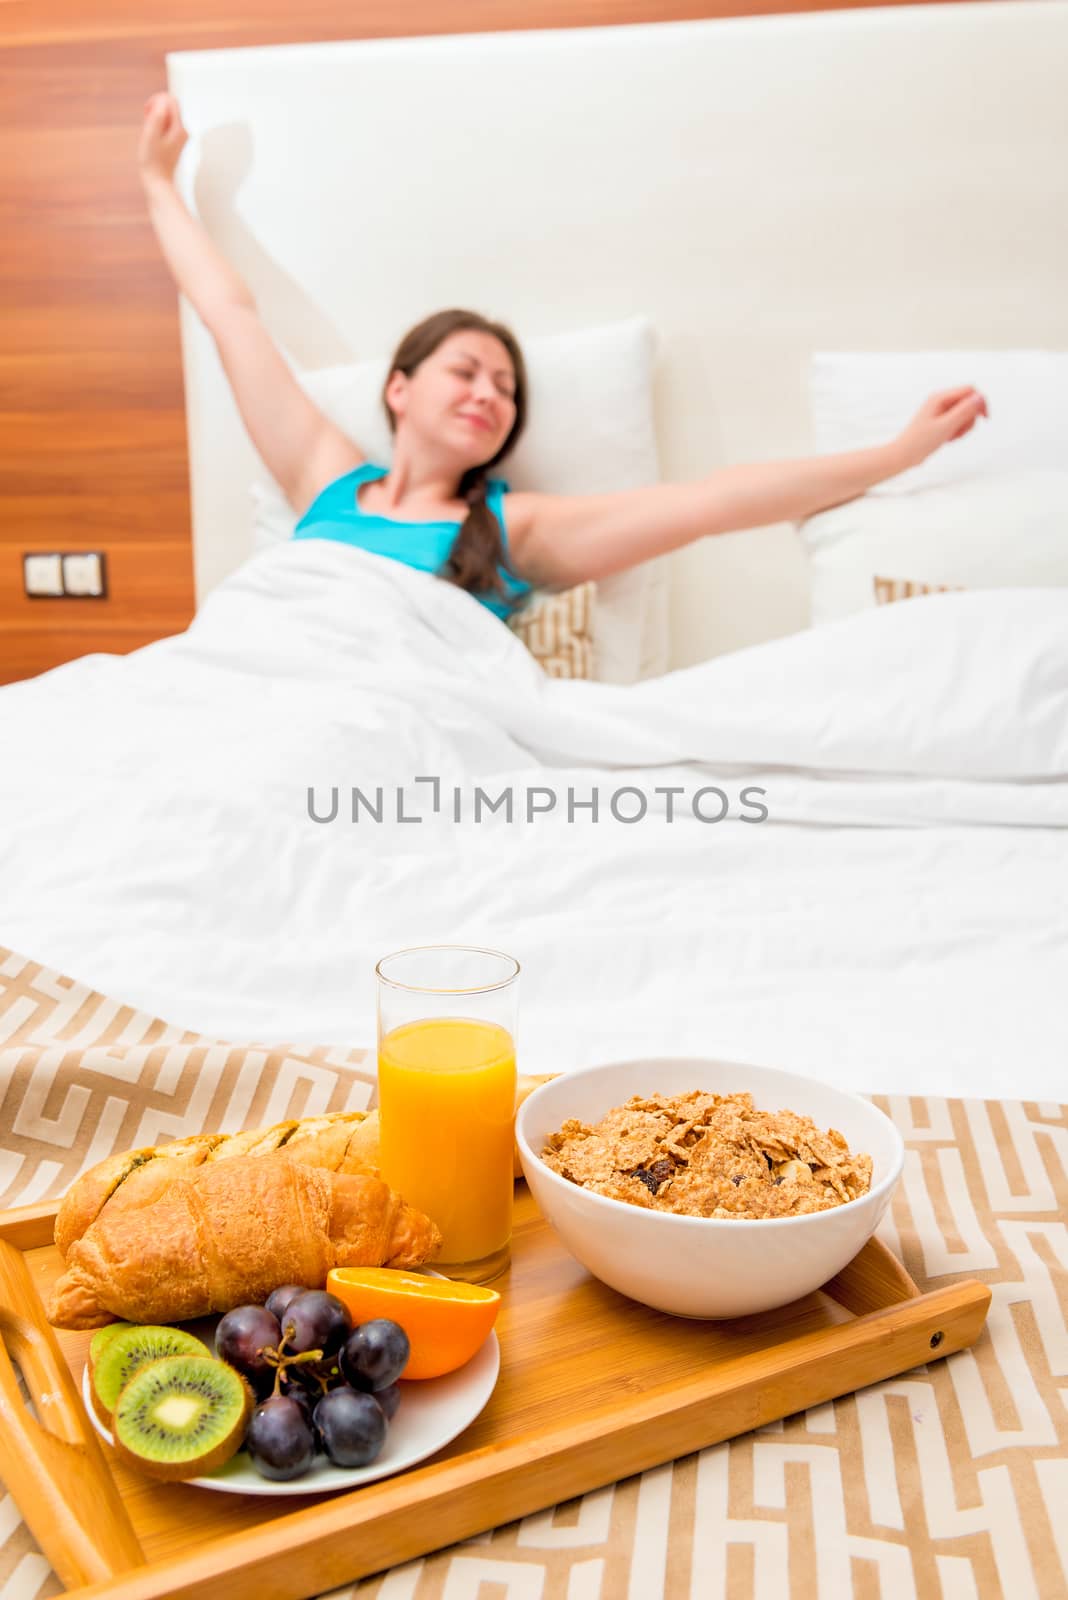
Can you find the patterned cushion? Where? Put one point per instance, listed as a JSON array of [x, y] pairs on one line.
[[888, 590], [557, 629]]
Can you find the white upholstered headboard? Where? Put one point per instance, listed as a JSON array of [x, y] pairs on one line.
[[759, 188]]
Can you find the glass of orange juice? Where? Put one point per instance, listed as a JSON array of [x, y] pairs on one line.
[[446, 1096]]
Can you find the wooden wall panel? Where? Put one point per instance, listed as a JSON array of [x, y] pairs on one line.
[[92, 431]]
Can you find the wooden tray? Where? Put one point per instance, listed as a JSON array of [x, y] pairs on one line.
[[593, 1388]]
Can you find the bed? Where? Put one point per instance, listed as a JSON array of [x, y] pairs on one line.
[[837, 849]]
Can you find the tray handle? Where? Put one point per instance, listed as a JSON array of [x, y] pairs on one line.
[[873, 1280], [55, 1468]]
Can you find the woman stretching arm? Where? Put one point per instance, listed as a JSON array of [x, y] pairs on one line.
[[456, 402], [301, 448], [560, 540]]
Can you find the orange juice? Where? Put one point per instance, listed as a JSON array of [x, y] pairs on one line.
[[446, 1093]]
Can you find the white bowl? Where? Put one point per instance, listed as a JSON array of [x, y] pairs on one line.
[[705, 1266]]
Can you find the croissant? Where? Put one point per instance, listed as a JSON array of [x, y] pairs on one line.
[[227, 1234], [343, 1141]]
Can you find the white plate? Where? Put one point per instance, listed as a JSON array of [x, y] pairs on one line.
[[432, 1412]]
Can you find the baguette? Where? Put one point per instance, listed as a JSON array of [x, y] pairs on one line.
[[226, 1234], [341, 1141]]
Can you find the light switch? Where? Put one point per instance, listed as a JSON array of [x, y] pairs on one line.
[[42, 574], [83, 573]]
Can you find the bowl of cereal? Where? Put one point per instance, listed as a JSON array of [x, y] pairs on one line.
[[706, 1188]]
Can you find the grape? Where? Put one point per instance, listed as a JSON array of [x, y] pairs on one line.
[[351, 1427], [304, 1400], [315, 1320], [277, 1301], [240, 1340], [280, 1440], [389, 1399], [375, 1354]]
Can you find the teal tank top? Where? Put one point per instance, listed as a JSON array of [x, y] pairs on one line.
[[336, 514]]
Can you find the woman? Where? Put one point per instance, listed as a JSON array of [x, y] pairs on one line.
[[456, 402]]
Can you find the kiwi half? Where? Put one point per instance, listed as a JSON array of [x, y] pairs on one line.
[[102, 1338], [129, 1348], [181, 1416]]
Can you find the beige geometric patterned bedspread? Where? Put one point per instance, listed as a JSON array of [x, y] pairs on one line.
[[950, 1481]]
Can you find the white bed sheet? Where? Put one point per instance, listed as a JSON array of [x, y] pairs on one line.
[[899, 923]]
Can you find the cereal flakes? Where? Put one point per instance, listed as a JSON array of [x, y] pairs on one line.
[[710, 1155]]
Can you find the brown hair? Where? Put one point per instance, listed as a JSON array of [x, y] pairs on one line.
[[477, 550]]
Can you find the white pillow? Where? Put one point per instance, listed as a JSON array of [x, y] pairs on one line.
[[987, 532], [861, 399], [589, 431]]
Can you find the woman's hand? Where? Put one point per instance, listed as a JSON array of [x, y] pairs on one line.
[[162, 138], [944, 416]]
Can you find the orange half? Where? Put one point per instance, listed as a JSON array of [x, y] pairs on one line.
[[446, 1322]]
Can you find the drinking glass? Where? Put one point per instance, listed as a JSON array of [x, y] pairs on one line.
[[446, 1096]]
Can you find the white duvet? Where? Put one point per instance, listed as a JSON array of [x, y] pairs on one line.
[[895, 921]]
